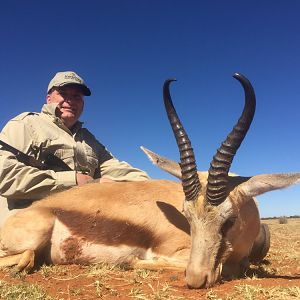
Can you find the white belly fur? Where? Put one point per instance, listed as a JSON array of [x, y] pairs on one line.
[[67, 248]]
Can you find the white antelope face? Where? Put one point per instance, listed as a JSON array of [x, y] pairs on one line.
[[210, 246]]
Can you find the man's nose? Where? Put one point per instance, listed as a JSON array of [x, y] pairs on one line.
[[69, 98]]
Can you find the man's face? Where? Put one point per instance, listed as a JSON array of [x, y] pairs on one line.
[[70, 103]]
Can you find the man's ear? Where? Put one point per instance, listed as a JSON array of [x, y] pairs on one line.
[[261, 184]]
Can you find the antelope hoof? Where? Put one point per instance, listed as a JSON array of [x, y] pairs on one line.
[[26, 262]]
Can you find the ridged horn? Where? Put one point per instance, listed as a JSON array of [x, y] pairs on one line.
[[190, 181], [218, 173]]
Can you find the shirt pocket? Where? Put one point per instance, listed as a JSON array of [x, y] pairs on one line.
[[92, 161], [86, 159], [66, 155]]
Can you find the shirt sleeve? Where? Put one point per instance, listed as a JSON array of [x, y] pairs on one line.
[[121, 171], [19, 181], [108, 165]]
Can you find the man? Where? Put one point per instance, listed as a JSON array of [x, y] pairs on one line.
[[56, 130]]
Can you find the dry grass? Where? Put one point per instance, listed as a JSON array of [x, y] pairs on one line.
[[23, 291], [285, 246], [251, 292]]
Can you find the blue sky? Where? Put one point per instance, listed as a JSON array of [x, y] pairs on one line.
[[125, 50]]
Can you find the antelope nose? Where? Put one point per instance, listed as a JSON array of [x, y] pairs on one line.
[[196, 280]]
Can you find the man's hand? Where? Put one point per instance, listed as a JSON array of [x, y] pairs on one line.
[[83, 178]]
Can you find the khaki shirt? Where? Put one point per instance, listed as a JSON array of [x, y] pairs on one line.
[[37, 134]]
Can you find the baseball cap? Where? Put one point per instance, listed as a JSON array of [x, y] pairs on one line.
[[66, 78]]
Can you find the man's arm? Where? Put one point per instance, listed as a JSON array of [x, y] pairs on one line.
[[20, 181], [121, 171], [51, 162], [109, 167]]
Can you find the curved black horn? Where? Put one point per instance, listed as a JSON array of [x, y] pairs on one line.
[[218, 173], [190, 181]]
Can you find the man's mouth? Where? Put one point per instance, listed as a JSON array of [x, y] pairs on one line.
[[68, 109]]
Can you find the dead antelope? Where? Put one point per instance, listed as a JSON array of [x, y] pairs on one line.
[[141, 224]]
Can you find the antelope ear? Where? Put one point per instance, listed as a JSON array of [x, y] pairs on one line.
[[165, 164], [260, 184]]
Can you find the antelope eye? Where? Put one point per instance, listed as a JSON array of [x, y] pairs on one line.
[[227, 225]]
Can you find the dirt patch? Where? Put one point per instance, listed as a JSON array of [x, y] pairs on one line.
[[278, 277]]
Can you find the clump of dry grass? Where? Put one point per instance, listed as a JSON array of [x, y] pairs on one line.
[[249, 292], [163, 291], [283, 220], [53, 270], [23, 291], [255, 292]]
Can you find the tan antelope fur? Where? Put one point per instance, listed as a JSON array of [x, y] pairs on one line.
[[142, 224]]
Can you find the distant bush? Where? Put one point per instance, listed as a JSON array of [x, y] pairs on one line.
[[275, 218], [283, 220], [295, 217]]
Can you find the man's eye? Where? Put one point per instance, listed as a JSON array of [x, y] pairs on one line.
[[63, 94]]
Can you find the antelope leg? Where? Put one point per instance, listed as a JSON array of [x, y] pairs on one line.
[[159, 263], [22, 261]]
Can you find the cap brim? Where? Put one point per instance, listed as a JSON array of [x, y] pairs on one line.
[[85, 90]]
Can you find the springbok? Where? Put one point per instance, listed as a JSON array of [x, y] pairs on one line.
[[141, 223]]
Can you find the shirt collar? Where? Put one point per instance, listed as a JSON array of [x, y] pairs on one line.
[[49, 109]]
